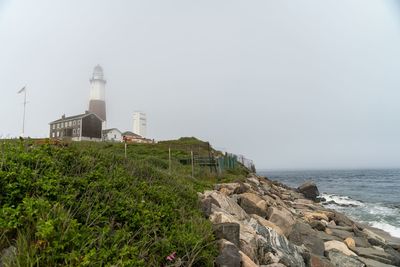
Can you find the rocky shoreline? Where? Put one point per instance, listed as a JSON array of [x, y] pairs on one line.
[[260, 222]]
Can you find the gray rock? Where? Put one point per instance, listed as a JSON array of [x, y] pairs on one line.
[[205, 205], [8, 256], [227, 204], [270, 242], [228, 231], [309, 190], [374, 254], [341, 233], [318, 225], [318, 261], [241, 189], [338, 259], [303, 234], [253, 204], [281, 217], [325, 237], [341, 219], [372, 263], [229, 255], [361, 242], [395, 255]]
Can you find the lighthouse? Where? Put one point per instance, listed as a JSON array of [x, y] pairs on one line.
[[97, 102]]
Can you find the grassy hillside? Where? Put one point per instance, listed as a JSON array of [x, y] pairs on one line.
[[85, 204]]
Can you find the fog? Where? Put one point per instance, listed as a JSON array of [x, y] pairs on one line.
[[289, 84]]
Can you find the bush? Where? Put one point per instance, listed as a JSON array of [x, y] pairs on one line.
[[86, 205]]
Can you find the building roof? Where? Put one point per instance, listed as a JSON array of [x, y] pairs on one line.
[[80, 116], [111, 129], [128, 133]]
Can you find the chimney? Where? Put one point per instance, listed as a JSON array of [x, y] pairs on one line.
[[86, 111], [63, 116]]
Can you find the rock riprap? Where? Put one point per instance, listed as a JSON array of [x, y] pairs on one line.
[[258, 222]]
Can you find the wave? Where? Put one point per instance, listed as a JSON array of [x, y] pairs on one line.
[[378, 215], [392, 230], [343, 201]]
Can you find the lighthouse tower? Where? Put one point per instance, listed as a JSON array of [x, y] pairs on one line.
[[97, 102]]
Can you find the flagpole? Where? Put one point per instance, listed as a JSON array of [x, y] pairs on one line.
[[23, 120]]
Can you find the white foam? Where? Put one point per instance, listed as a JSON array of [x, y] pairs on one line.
[[383, 211], [342, 200], [392, 230]]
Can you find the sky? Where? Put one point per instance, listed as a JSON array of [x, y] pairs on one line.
[[289, 84]]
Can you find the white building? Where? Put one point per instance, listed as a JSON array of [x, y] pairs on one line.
[[113, 135], [97, 100], [139, 123]]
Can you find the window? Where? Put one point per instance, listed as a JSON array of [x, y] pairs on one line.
[[58, 126], [74, 131], [79, 122], [62, 125], [78, 131], [70, 123], [58, 134], [74, 123], [53, 134], [53, 126]]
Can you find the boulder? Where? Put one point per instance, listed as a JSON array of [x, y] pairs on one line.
[[374, 254], [270, 242], [325, 237], [229, 186], [373, 238], [253, 204], [309, 190], [246, 261], [253, 180], [228, 231], [205, 206], [350, 242], [8, 257], [248, 241], [339, 259], [361, 241], [229, 255], [310, 216], [222, 217], [227, 204], [242, 188], [340, 246], [303, 234], [395, 255], [372, 263], [341, 219], [267, 223], [282, 218], [318, 261], [341, 234], [318, 225]]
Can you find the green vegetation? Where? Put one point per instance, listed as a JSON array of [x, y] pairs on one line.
[[85, 204]]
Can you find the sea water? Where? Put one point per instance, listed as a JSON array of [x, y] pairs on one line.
[[367, 196]]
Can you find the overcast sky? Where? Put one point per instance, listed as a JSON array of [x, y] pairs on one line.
[[289, 84]]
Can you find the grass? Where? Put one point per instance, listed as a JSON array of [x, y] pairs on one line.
[[85, 204]]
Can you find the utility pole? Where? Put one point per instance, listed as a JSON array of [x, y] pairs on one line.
[[23, 90]]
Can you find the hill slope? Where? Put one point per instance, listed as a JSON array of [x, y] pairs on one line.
[[85, 204]]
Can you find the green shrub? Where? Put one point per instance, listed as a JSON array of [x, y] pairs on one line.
[[86, 205]]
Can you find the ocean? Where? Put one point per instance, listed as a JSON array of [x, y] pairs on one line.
[[367, 196]]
